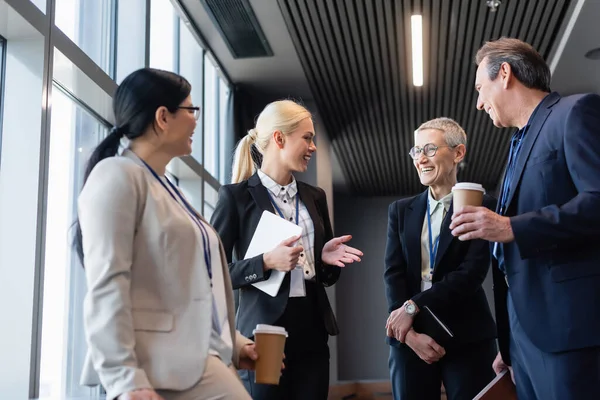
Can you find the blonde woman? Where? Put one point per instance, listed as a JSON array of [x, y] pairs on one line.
[[284, 135]]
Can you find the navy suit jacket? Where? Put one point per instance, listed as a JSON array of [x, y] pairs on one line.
[[460, 268], [235, 218], [553, 265]]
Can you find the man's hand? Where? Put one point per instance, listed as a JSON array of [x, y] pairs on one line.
[[480, 223], [141, 394], [398, 324], [425, 347], [500, 366]]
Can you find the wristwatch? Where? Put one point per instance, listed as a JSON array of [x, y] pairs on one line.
[[410, 308]]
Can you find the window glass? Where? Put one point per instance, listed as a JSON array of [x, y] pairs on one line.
[[211, 118], [131, 36], [74, 134], [41, 4], [211, 195], [224, 131], [191, 58], [89, 24], [163, 35], [1, 89]]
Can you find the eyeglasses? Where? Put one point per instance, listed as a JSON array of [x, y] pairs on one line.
[[195, 109], [429, 150]]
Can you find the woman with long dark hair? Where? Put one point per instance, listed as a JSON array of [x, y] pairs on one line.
[[284, 135], [158, 313]]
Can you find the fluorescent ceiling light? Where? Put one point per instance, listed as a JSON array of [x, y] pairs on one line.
[[416, 24]]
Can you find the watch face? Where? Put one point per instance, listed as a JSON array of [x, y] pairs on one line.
[[410, 308]]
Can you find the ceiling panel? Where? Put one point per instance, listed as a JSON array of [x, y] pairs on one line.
[[357, 57]]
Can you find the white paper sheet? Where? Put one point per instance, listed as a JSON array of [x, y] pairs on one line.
[[271, 231]]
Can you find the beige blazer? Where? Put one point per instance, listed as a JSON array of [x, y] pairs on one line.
[[147, 312]]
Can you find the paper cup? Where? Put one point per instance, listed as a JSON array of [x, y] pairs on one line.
[[270, 342], [467, 194]]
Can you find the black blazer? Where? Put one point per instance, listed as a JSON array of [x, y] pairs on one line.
[[235, 218], [460, 268], [553, 266]]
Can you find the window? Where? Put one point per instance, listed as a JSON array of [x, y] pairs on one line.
[[66, 117], [210, 200], [191, 59], [74, 133], [41, 4], [89, 24], [131, 37], [2, 47], [225, 132], [164, 29], [211, 118]]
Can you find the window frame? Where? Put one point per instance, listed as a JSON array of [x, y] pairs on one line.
[[43, 21], [2, 77]]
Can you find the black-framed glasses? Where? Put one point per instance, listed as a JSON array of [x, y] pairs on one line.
[[192, 108], [429, 150]]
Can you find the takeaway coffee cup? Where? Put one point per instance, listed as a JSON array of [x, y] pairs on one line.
[[270, 341], [467, 194]]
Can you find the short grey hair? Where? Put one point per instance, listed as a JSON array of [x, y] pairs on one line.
[[454, 134]]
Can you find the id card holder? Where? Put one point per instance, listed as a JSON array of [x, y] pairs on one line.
[[297, 284], [425, 284]]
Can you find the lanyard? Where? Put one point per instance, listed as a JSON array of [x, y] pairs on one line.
[[279, 210], [192, 214], [433, 247]]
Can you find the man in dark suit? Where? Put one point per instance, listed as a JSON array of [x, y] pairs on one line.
[[425, 266], [546, 227]]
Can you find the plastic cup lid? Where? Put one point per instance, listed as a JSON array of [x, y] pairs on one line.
[[264, 328], [468, 186]]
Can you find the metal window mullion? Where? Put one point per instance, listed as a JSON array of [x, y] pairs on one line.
[[147, 33], [38, 292], [114, 42], [2, 77], [203, 126], [217, 127], [176, 43]]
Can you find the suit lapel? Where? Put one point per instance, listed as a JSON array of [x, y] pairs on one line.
[[541, 114], [445, 238], [413, 226], [259, 193]]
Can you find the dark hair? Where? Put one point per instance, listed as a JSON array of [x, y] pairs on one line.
[[526, 63], [134, 106]]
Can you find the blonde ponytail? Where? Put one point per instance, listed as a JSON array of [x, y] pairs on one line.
[[283, 116], [243, 165]]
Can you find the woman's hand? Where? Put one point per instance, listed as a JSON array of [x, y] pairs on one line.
[[284, 257], [335, 252], [140, 394], [248, 356]]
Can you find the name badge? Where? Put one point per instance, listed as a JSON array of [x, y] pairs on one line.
[[297, 284], [425, 285]]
